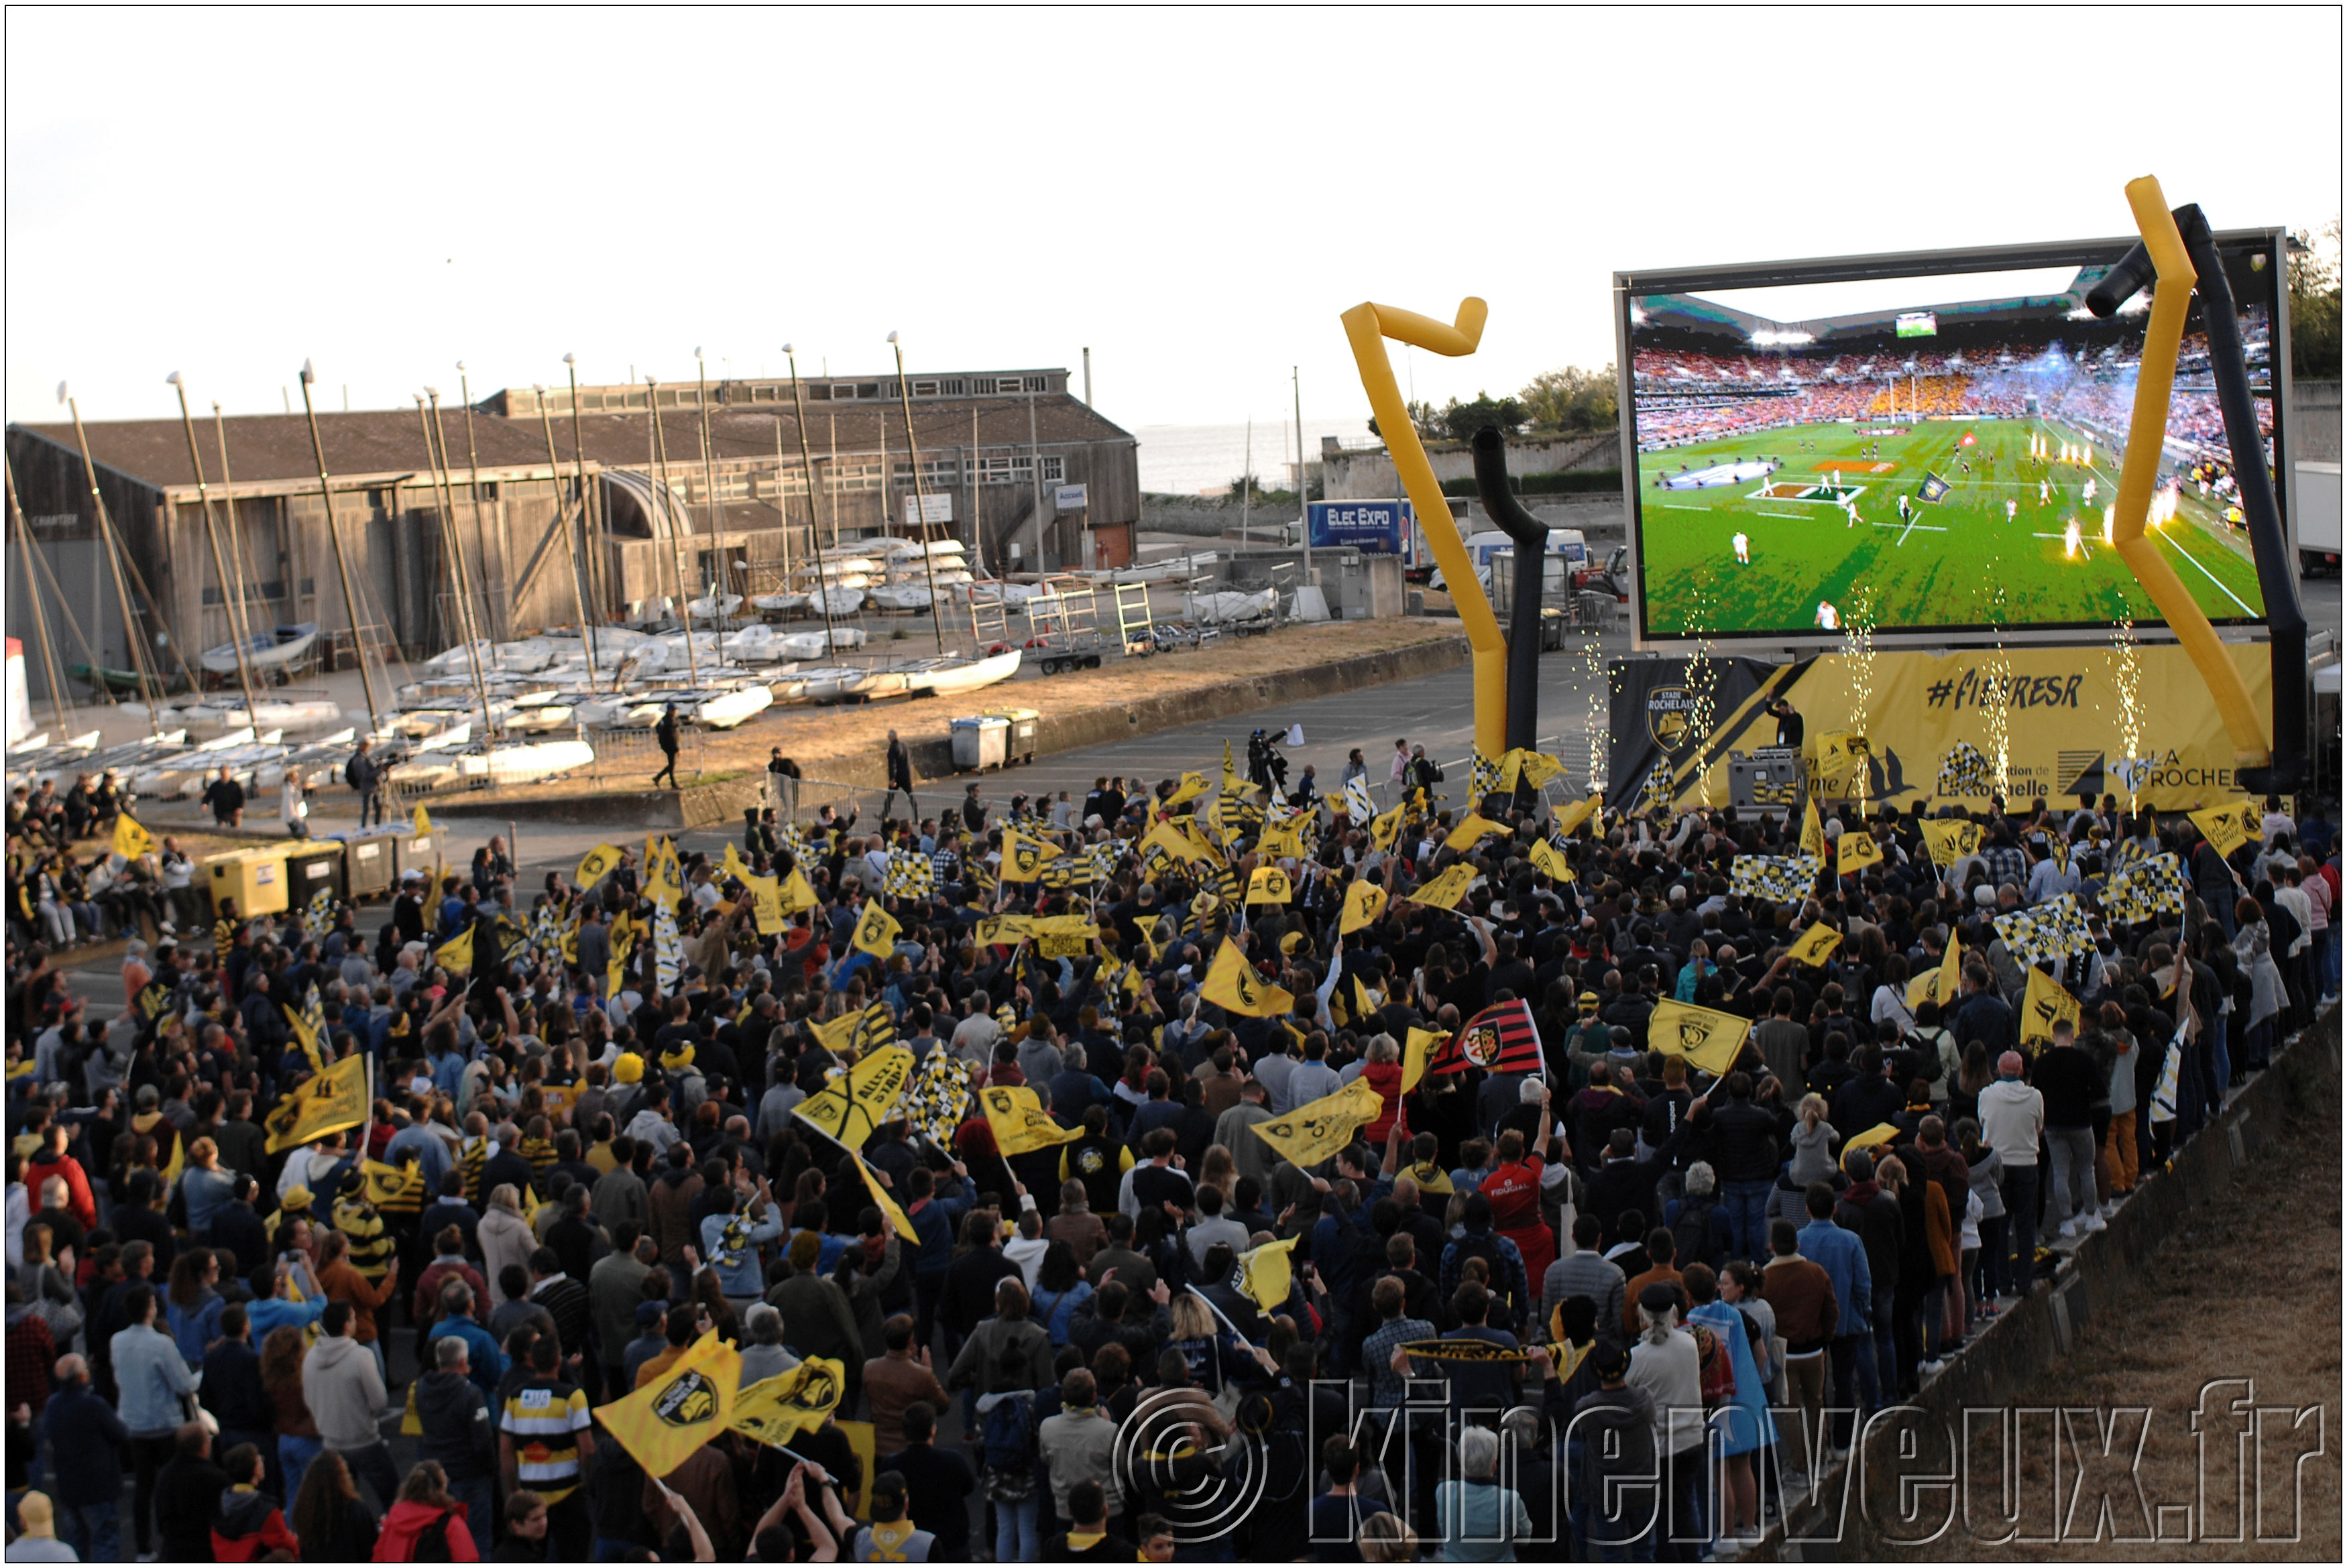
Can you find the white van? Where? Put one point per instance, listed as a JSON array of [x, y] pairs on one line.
[[1567, 551]]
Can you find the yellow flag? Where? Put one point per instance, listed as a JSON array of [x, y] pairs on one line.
[[1569, 820], [1269, 885], [1445, 891], [2227, 826], [1167, 840], [328, 1102], [600, 861], [1284, 840], [1019, 1122], [1062, 936], [1364, 902], [1837, 749], [456, 952], [876, 931], [1534, 767], [423, 821], [778, 1408], [1855, 851], [841, 1034], [130, 839], [1417, 1053], [1708, 1040], [881, 1199], [664, 878], [1232, 783], [390, 1186], [1232, 986], [1315, 1132], [1023, 859], [623, 944], [1938, 983], [1549, 860], [177, 1162], [1880, 1133], [665, 1422], [1816, 945], [849, 1108], [1193, 784], [304, 1036], [1474, 829], [1266, 1272], [1813, 831], [1950, 839], [796, 894], [999, 931], [2045, 1005], [766, 900], [733, 865]]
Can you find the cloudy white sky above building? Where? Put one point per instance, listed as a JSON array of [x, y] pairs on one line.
[[1192, 195]]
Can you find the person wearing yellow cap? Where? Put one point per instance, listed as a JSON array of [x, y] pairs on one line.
[[628, 1068]]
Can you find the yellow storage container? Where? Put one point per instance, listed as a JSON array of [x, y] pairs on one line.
[[255, 879]]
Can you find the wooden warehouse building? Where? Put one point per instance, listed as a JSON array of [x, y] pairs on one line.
[[1023, 473]]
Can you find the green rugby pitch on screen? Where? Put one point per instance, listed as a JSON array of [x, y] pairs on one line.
[[1800, 529]]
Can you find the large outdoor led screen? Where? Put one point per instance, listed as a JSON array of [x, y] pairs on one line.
[[1926, 443]]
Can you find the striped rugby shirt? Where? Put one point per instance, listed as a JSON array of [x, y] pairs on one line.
[[545, 1417]]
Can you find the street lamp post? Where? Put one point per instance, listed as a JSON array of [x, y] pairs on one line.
[[920, 497]]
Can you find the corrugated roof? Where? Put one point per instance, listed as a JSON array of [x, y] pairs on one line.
[[275, 449]]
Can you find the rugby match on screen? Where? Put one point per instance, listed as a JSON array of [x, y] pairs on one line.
[[1930, 466]]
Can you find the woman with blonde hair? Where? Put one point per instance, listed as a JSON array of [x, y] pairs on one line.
[[505, 1237], [1814, 1139], [1385, 1539], [1220, 1171]]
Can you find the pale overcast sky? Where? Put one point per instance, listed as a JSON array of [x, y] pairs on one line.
[[1196, 196]]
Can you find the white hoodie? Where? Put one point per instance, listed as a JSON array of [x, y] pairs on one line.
[[2011, 1116], [344, 1390]]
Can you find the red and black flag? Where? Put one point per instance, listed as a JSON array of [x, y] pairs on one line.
[[1500, 1039]]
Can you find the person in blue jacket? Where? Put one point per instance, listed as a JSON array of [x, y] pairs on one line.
[[1843, 1258]]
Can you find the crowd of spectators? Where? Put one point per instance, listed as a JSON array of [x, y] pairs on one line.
[[583, 1158]]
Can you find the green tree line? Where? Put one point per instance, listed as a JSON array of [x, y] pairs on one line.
[[1563, 402]]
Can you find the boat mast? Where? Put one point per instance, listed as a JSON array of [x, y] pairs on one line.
[[148, 684], [40, 611], [443, 500], [814, 545], [921, 497], [716, 510], [341, 559], [676, 542], [578, 589], [231, 590], [473, 486]]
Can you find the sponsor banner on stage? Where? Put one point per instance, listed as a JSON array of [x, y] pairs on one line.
[[1930, 725]]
